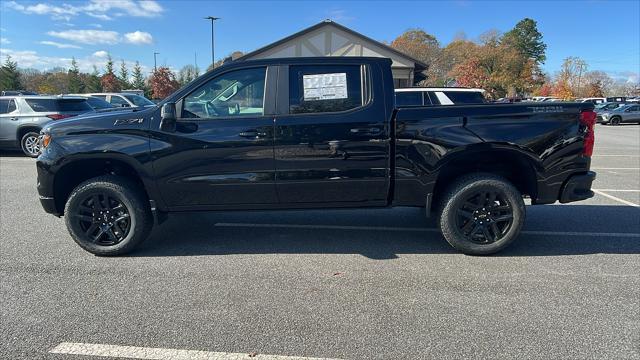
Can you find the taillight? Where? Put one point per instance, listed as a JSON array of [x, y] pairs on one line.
[[588, 119], [58, 116]]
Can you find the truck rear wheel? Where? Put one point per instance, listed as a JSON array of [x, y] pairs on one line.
[[481, 214], [108, 215]]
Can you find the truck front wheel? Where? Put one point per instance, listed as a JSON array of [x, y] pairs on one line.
[[108, 215], [481, 214]]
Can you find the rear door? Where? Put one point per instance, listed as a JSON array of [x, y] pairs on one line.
[[221, 152], [331, 137]]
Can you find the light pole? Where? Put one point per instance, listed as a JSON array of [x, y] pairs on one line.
[[155, 68], [212, 18]]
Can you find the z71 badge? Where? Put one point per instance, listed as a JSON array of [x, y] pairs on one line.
[[128, 121]]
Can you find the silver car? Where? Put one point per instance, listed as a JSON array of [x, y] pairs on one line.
[[624, 114], [22, 117]]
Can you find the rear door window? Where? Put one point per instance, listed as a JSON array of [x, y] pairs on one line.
[[118, 101], [7, 106], [58, 105], [325, 88], [433, 97], [409, 98]]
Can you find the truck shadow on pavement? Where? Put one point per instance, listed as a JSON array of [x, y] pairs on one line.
[[387, 233]]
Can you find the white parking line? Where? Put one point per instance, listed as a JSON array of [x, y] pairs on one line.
[[414, 229], [135, 352], [599, 192], [618, 190], [615, 155], [608, 168]]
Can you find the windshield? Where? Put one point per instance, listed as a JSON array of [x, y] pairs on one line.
[[138, 100], [98, 104]]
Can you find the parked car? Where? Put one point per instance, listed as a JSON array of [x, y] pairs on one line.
[[594, 100], [123, 99], [333, 139], [16, 92], [619, 99], [544, 98], [22, 118], [628, 113], [438, 96], [607, 106]]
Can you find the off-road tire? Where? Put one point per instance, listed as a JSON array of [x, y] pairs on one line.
[[118, 189], [458, 194]]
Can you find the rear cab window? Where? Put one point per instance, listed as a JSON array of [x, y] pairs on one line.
[[58, 105], [409, 98], [325, 88]]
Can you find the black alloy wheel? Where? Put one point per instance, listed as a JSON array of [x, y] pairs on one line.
[[104, 219], [108, 215], [485, 217]]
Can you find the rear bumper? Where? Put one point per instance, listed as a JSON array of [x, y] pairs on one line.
[[577, 187]]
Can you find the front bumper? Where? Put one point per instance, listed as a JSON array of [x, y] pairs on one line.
[[577, 187]]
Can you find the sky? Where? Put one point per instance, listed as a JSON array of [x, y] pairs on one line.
[[44, 34]]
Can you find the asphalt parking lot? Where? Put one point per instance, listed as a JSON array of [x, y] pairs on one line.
[[330, 284]]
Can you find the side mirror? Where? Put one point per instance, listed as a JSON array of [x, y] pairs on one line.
[[168, 117]]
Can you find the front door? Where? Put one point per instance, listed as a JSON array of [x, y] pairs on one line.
[[221, 152], [331, 139]]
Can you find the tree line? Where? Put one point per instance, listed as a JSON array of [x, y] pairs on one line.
[[159, 84], [506, 65]]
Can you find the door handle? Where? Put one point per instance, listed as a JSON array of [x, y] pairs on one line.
[[13, 118], [370, 131], [252, 133]]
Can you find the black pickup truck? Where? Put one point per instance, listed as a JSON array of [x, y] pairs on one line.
[[312, 133]]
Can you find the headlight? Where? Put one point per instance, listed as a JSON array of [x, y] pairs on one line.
[[46, 139]]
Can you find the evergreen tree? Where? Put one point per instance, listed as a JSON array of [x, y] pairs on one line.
[[526, 38], [93, 84], [138, 78], [9, 75], [109, 67], [124, 76], [74, 83]]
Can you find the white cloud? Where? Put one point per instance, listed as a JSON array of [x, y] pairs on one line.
[[64, 12], [147, 8], [60, 45], [100, 16], [31, 59], [100, 54], [88, 36], [99, 9], [4, 41], [138, 37]]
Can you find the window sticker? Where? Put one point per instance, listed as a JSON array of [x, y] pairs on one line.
[[325, 86]]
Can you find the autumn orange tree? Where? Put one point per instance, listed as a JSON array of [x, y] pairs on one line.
[[163, 83]]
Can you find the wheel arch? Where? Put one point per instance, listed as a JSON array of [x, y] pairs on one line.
[[75, 171], [514, 164]]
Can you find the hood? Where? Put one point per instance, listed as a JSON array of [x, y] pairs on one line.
[[95, 121]]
